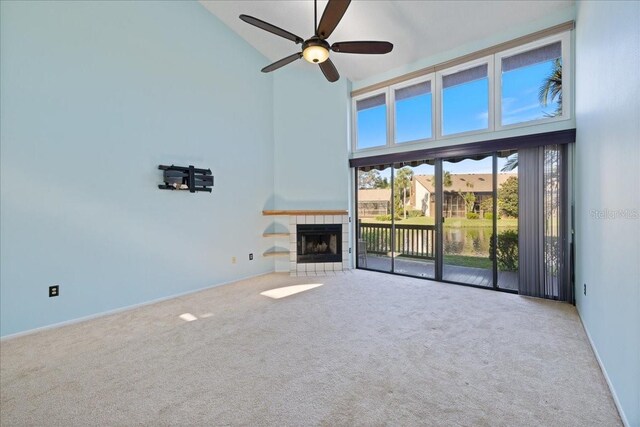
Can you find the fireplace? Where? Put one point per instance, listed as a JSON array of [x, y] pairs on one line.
[[319, 243]]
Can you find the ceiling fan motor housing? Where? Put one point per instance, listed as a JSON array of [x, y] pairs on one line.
[[315, 42]]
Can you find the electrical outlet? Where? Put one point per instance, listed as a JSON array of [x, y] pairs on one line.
[[233, 260], [54, 291], [585, 289], [250, 257]]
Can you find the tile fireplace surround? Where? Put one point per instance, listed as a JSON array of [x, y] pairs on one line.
[[315, 217]]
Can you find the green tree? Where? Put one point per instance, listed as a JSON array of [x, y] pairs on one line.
[[551, 88], [486, 206], [508, 197], [446, 179], [402, 190], [382, 183], [368, 179], [469, 197], [372, 179]]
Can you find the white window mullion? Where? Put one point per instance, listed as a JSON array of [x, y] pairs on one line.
[[391, 113], [437, 108]]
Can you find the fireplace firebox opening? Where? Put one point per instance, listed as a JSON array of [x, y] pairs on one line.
[[319, 243]]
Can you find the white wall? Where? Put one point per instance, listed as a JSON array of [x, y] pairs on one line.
[[94, 96], [607, 182], [311, 119], [310, 134]]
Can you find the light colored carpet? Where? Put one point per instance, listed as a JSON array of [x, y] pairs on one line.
[[363, 349]]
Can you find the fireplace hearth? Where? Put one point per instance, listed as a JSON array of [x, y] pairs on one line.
[[319, 243]]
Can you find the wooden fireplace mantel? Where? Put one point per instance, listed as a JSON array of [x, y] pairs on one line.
[[305, 212]]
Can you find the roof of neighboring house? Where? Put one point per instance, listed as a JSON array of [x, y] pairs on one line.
[[374, 195], [464, 182]]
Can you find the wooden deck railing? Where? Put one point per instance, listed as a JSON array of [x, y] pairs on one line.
[[417, 241]]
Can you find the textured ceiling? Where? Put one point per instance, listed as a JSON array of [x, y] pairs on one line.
[[418, 29]]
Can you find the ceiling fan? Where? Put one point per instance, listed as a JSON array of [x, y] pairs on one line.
[[316, 48]]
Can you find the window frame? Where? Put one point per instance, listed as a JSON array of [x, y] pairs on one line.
[[392, 102], [490, 95], [354, 118], [565, 42], [494, 75]]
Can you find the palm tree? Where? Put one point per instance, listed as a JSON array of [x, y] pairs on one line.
[[551, 88], [402, 183], [511, 164], [447, 179]]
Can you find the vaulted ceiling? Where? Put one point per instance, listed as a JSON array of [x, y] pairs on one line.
[[418, 29]]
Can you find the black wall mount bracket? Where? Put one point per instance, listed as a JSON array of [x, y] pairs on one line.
[[186, 178]]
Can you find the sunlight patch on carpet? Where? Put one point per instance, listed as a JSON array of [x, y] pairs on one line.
[[278, 293], [188, 317]]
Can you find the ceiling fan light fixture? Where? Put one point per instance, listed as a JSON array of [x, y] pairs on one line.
[[315, 50], [315, 54]]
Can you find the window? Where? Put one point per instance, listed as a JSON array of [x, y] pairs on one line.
[[465, 100], [371, 121], [499, 88], [413, 112], [531, 84]]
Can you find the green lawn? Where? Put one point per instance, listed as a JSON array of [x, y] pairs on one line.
[[450, 222]]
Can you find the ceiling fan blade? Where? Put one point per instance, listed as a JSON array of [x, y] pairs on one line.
[[331, 17], [282, 62], [329, 70], [362, 47], [271, 28]]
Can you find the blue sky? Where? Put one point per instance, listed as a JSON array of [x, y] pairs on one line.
[[413, 118], [465, 108]]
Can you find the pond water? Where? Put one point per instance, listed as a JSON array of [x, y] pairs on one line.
[[469, 241]]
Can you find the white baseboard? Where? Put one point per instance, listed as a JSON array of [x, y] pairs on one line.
[[121, 309], [606, 376]]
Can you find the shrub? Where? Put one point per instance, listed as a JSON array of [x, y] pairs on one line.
[[472, 215], [413, 213], [507, 250], [488, 215], [383, 217]]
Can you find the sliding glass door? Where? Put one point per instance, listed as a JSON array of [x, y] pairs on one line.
[[374, 231], [494, 220], [414, 204], [396, 229], [468, 226]]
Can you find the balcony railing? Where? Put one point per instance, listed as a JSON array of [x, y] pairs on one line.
[[415, 241]]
